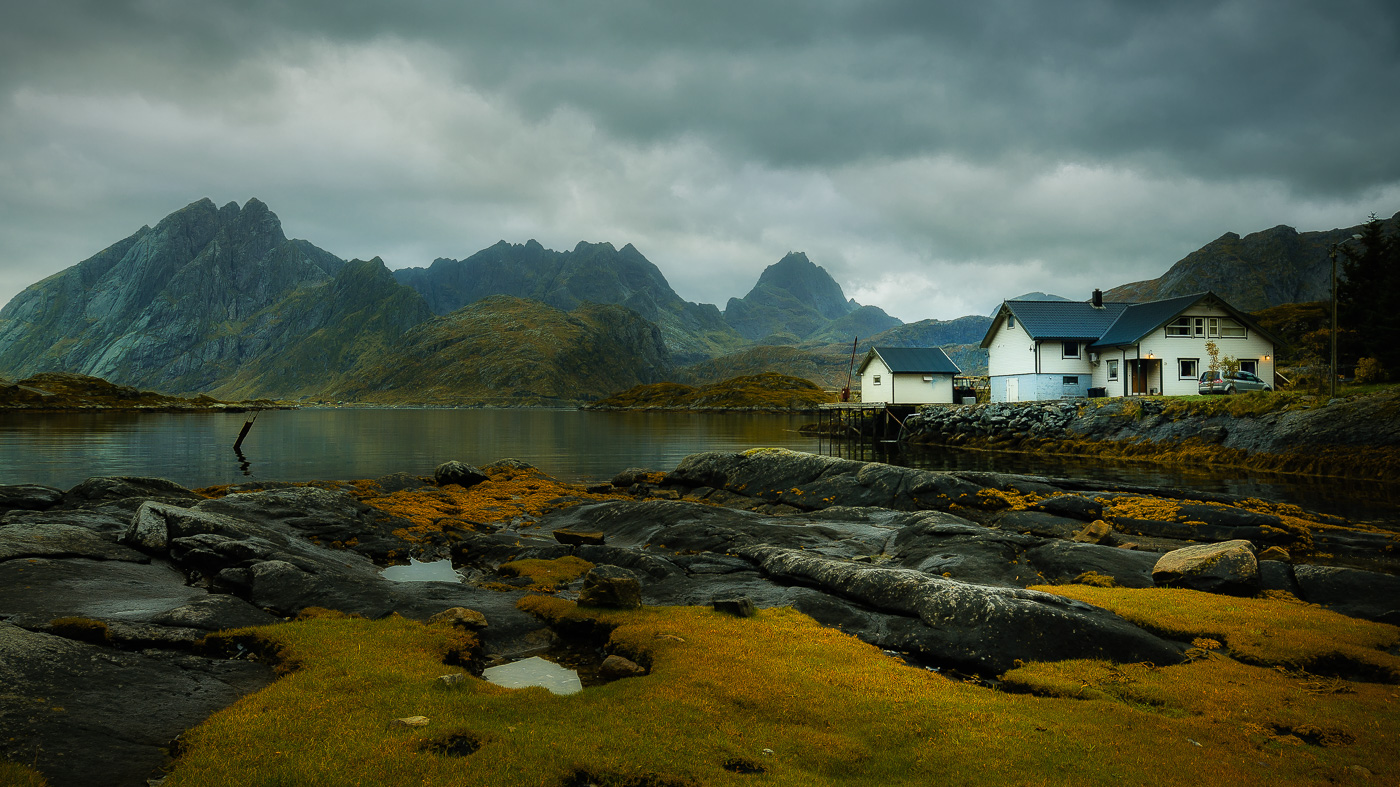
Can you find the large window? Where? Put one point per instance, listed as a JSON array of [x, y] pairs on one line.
[[1188, 368], [1113, 370], [1071, 350]]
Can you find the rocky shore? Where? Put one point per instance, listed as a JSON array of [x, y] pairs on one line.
[[108, 590], [68, 392], [1355, 437]]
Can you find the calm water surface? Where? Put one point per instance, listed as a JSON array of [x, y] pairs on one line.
[[196, 449]]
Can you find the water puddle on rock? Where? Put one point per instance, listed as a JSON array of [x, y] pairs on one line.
[[534, 671], [418, 571]]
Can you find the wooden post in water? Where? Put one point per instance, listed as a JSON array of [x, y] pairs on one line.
[[244, 433]]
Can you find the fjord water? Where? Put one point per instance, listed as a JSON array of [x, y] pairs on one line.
[[196, 449]]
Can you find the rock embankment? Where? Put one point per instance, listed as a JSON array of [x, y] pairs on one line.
[[1357, 437]]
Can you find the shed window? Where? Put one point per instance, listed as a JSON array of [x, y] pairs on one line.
[[1071, 349], [877, 380]]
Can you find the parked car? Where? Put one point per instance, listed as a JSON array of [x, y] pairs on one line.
[[1223, 382]]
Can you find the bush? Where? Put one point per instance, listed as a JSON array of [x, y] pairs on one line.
[[1369, 370]]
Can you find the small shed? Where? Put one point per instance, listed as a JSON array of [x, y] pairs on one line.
[[907, 375]]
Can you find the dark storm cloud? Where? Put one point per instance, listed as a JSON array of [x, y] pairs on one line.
[[895, 141]]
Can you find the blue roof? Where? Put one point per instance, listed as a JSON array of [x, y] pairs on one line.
[[1141, 319], [1060, 319], [1114, 325], [913, 360]]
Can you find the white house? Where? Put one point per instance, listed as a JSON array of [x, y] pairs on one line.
[[1058, 349], [907, 375]]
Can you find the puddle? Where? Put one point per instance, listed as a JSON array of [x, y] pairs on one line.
[[534, 671], [418, 571]]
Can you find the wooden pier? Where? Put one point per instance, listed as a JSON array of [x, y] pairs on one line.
[[861, 428]]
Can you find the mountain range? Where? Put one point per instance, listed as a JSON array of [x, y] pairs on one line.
[[218, 300]]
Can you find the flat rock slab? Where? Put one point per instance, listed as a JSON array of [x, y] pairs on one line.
[[92, 716], [102, 589], [37, 539]]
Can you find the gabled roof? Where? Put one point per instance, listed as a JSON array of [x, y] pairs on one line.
[[1140, 319], [1058, 319], [912, 360]]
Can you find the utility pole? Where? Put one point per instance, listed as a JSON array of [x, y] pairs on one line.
[[1332, 381]]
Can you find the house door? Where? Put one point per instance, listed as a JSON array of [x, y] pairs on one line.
[[1142, 375], [1013, 390]]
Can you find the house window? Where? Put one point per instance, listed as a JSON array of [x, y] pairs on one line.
[[1188, 368], [1010, 320], [877, 380], [1071, 379], [1113, 370], [1231, 329], [1071, 350], [1250, 366], [1181, 326]]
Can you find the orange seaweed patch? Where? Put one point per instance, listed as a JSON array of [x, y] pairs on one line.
[[508, 495]]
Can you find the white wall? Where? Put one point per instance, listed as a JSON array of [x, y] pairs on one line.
[[1009, 351], [869, 391], [1171, 349]]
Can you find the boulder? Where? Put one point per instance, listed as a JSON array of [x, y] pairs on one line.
[[975, 627], [461, 617], [1096, 532], [610, 586], [738, 606], [615, 667], [459, 473], [29, 497], [1350, 591], [1227, 567]]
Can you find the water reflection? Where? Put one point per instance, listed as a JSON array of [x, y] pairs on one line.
[[62, 449]]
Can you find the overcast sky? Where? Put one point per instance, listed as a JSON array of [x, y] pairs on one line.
[[934, 157]]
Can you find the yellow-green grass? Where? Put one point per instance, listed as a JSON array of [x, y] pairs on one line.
[[547, 574], [832, 710], [12, 774], [1267, 631]]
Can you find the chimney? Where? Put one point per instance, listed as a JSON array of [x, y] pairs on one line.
[[1098, 299]]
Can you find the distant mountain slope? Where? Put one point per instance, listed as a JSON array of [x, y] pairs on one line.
[[1262, 269], [935, 333], [176, 308], [310, 340], [796, 299], [511, 351], [591, 273]]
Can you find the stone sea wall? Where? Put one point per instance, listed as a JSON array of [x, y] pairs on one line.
[[1357, 437]]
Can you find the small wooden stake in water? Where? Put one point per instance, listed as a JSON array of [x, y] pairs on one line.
[[246, 426]]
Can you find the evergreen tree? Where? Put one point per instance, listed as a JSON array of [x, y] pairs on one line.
[[1369, 297]]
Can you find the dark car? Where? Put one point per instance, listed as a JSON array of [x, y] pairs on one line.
[[1223, 382]]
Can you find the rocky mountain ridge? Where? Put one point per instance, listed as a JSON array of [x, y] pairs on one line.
[[1262, 269]]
